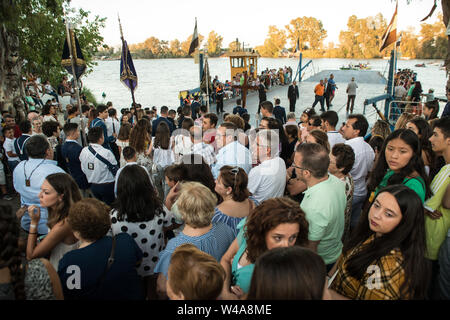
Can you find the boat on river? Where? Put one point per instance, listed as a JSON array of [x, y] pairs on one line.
[[359, 66]]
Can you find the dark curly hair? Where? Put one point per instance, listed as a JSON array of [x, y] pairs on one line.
[[90, 217], [10, 256], [267, 216]]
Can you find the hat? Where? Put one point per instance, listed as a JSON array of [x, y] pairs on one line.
[[431, 89]]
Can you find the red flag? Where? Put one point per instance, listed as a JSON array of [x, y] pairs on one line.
[[390, 35]]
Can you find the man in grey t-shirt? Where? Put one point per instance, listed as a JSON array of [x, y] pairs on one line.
[[351, 92]]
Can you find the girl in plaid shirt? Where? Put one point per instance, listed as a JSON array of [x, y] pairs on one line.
[[385, 257]]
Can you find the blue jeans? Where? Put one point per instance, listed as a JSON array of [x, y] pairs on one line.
[[319, 99]]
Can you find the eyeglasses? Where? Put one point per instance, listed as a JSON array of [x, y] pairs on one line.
[[297, 167]]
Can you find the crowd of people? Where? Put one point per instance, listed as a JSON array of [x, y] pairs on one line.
[[229, 89], [156, 204], [412, 97]]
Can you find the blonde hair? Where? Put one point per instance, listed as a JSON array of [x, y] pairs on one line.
[[381, 128], [403, 120], [196, 204], [195, 274]]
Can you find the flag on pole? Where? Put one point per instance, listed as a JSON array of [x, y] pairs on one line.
[[128, 75], [194, 42], [297, 48], [390, 35], [73, 49], [399, 41], [205, 84]]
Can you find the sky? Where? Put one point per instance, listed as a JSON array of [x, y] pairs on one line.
[[247, 20]]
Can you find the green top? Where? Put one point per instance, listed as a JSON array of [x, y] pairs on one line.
[[324, 205], [417, 184], [410, 90], [241, 276]]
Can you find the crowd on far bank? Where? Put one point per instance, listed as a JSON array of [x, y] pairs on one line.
[[165, 203]]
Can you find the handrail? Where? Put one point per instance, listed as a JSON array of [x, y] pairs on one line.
[[399, 101]]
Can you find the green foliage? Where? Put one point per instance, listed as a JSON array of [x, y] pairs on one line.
[[39, 25], [362, 39], [153, 48], [214, 44], [89, 95], [308, 30], [274, 43]]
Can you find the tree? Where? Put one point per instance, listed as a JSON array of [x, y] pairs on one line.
[[234, 45], [32, 38], [363, 37], [308, 30], [152, 46], [175, 48], [214, 44], [409, 44], [186, 44], [274, 43], [445, 19], [433, 40]]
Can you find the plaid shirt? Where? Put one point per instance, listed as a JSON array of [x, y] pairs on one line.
[[206, 151], [382, 280]]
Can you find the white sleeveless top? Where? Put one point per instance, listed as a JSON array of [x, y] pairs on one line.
[[60, 250]]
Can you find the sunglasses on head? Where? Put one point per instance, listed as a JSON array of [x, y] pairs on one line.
[[235, 171]]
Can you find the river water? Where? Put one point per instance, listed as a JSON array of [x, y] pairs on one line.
[[160, 80]]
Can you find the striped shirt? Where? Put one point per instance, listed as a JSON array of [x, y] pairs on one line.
[[232, 222], [215, 242]]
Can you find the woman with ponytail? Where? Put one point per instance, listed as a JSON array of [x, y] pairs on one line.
[[236, 201]]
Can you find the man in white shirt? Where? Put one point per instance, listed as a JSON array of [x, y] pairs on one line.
[[28, 179], [8, 146], [96, 171], [268, 179], [351, 92], [231, 152], [112, 123], [129, 154], [354, 131], [399, 91], [329, 122], [201, 148]]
